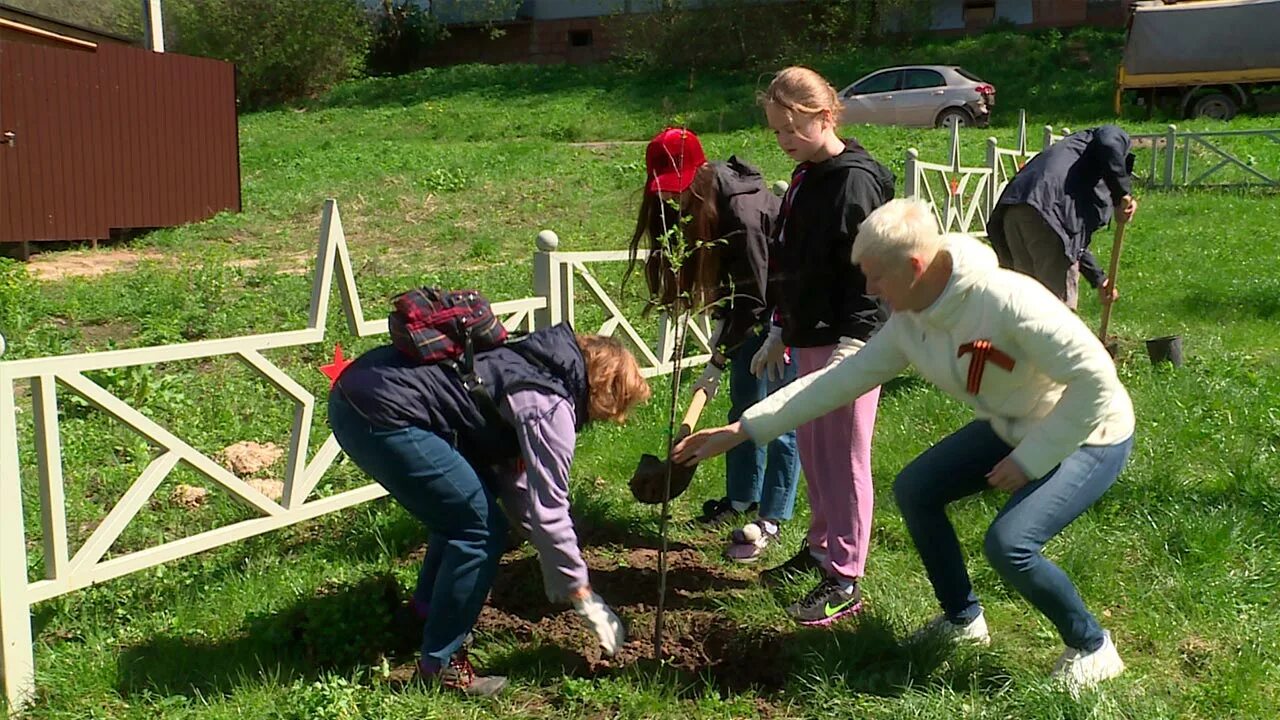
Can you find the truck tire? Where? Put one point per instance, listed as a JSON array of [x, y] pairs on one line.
[[1215, 106]]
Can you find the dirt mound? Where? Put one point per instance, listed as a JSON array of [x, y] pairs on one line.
[[698, 640]]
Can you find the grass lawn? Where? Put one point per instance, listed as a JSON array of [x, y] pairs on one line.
[[445, 177]]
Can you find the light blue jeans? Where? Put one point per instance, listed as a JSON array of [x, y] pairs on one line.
[[767, 475], [955, 468], [468, 530]]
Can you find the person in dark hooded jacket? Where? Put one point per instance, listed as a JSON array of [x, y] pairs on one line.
[[1045, 218], [824, 314], [725, 220], [420, 434]]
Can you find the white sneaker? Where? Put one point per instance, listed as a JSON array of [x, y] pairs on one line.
[[975, 631], [1084, 670]]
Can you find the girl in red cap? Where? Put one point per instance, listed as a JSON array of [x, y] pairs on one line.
[[728, 217]]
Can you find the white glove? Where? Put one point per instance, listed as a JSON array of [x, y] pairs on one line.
[[771, 357], [847, 347], [709, 380], [603, 622]]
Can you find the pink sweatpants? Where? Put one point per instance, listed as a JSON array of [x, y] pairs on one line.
[[835, 453]]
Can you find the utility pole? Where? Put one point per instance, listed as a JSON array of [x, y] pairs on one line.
[[154, 23]]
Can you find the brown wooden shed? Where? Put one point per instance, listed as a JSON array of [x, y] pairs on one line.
[[97, 135]]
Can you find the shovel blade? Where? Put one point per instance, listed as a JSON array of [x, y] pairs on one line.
[[648, 484]]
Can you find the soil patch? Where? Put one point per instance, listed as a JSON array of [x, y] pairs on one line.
[[61, 265], [698, 640]]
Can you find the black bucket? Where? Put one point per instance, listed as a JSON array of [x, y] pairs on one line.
[[1165, 349]]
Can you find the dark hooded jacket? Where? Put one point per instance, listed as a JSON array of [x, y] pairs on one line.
[[748, 212], [1073, 185], [392, 390], [822, 296]]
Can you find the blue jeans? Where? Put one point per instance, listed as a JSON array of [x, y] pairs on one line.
[[767, 475], [426, 475], [955, 468]]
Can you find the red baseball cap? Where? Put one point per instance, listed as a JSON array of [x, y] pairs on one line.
[[672, 158]]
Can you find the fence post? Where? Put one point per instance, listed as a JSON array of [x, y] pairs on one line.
[[17, 656], [1170, 142], [911, 181], [1048, 137], [546, 280], [993, 163], [1022, 131]]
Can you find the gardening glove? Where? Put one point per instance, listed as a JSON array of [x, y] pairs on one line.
[[709, 380], [603, 622], [771, 358], [845, 348]]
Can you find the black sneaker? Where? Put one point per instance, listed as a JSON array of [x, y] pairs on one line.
[[826, 603], [803, 562], [719, 512]]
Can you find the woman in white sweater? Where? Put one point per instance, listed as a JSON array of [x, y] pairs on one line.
[[1053, 425]]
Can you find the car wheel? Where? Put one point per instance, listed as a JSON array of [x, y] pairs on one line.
[[953, 116], [1215, 106]]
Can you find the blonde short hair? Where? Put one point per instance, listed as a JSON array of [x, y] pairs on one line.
[[897, 230]]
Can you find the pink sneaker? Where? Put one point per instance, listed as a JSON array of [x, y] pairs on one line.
[[747, 544]]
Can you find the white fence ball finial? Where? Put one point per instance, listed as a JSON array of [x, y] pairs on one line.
[[547, 240], [780, 188]]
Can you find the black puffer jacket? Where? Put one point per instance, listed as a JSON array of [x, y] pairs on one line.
[[821, 295]]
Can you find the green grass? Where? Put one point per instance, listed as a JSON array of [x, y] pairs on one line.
[[445, 176]]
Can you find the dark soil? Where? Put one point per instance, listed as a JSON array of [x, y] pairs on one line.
[[697, 640]]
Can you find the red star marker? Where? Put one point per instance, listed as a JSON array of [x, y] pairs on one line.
[[335, 368]]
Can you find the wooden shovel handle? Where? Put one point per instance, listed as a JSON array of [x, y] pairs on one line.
[[1116, 247], [693, 413]]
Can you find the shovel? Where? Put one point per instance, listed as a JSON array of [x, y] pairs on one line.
[[650, 478], [1116, 247]]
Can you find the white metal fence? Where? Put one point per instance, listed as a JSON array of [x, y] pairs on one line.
[[555, 275], [963, 197], [1225, 158]]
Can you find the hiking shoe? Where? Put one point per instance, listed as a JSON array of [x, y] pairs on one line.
[[718, 512], [803, 562], [459, 676], [748, 543], [826, 603], [974, 631], [1084, 670]]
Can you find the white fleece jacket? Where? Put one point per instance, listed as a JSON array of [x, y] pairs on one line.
[[1062, 391]]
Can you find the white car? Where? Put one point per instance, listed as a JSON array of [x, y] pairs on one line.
[[919, 96]]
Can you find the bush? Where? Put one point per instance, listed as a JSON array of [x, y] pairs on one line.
[[738, 34], [403, 33], [283, 49]]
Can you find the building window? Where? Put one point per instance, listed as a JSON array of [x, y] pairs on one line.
[[579, 38], [979, 13]]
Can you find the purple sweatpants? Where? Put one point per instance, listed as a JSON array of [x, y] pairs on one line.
[[835, 453]]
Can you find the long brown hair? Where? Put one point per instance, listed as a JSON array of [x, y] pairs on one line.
[[694, 224]]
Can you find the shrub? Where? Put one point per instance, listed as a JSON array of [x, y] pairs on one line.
[[749, 33], [403, 33], [283, 49]]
